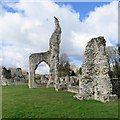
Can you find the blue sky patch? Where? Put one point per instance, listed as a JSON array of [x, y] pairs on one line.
[[6, 44], [6, 7], [83, 8]]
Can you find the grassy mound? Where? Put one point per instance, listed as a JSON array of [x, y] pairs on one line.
[[22, 102]]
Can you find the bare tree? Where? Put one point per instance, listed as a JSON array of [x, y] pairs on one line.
[[118, 45], [64, 66], [112, 54], [63, 59]]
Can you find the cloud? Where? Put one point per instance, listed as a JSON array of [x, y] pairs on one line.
[[29, 32], [43, 68]]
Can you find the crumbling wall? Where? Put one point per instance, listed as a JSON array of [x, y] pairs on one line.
[[95, 82], [68, 82], [43, 79], [5, 73], [42, 83], [50, 57], [7, 77], [73, 89], [34, 60]]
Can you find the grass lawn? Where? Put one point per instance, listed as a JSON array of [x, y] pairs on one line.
[[22, 102]]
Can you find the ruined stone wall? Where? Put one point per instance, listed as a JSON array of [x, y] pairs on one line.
[[43, 79], [42, 83], [34, 60], [95, 82], [7, 77], [67, 82], [73, 89], [50, 57]]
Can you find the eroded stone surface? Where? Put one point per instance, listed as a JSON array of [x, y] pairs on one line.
[[50, 57], [5, 73], [12, 77], [68, 83], [95, 82]]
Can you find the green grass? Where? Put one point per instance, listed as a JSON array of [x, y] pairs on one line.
[[37, 80], [22, 102]]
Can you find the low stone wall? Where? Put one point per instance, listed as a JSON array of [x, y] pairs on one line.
[[68, 83], [69, 80], [65, 82], [5, 81], [13, 76], [73, 89], [42, 85], [116, 86], [43, 80]]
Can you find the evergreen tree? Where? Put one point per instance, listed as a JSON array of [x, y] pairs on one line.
[[116, 70], [64, 69], [79, 71], [72, 73], [67, 68]]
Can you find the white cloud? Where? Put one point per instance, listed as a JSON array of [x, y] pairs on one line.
[[30, 32], [42, 68]]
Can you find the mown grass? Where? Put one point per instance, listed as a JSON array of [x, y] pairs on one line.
[[22, 102]]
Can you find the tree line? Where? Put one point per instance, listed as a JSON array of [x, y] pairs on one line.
[[113, 55], [65, 67]]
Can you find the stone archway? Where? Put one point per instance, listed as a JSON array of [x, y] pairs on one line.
[[34, 61], [50, 57]]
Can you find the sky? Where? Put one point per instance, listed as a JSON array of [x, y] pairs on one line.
[[83, 8], [27, 26]]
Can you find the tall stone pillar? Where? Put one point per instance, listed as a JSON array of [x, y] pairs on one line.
[[95, 82], [54, 55]]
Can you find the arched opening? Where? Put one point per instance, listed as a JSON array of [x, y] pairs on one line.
[[42, 73]]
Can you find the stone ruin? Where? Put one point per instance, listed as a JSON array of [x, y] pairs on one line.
[[50, 57], [94, 83], [13, 76], [68, 82], [43, 80]]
